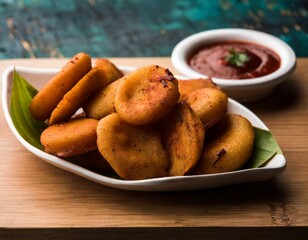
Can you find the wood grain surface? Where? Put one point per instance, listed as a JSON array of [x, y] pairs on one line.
[[37, 199]]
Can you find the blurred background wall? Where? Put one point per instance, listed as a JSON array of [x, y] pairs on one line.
[[137, 28]]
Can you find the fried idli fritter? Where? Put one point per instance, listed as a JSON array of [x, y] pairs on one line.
[[183, 136], [112, 72], [73, 138], [46, 100], [146, 95], [92, 82], [210, 104], [92, 161], [227, 146], [188, 86], [102, 103], [134, 152]]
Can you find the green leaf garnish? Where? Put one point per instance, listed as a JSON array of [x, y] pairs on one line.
[[28, 127], [265, 148], [237, 59]]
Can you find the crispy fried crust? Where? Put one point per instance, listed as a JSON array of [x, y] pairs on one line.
[[227, 146], [188, 86], [134, 152], [92, 161], [112, 71], [146, 95], [183, 136], [73, 138], [92, 82], [102, 103], [210, 104], [51, 94]]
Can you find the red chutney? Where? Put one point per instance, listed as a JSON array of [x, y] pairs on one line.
[[211, 60]]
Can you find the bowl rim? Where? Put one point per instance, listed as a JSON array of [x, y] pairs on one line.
[[190, 43]]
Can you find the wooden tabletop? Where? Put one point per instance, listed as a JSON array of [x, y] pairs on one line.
[[38, 199]]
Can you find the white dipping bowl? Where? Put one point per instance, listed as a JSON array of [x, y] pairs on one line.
[[243, 90]]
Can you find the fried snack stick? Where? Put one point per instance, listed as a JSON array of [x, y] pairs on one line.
[[92, 82], [51, 94]]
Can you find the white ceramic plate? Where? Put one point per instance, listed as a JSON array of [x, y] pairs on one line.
[[38, 77]]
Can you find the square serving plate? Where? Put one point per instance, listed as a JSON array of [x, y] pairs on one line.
[[39, 76]]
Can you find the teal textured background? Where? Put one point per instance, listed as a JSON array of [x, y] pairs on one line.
[[137, 28]]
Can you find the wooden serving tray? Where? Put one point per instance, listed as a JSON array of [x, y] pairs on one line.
[[38, 200]]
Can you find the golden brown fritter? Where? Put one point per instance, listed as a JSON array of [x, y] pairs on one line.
[[92, 161], [183, 136], [52, 93], [210, 104], [91, 83], [227, 146], [146, 95], [73, 138], [112, 72], [188, 86], [102, 103], [134, 152]]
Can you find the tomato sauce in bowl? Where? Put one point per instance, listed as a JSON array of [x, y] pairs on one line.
[[246, 64], [234, 60]]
